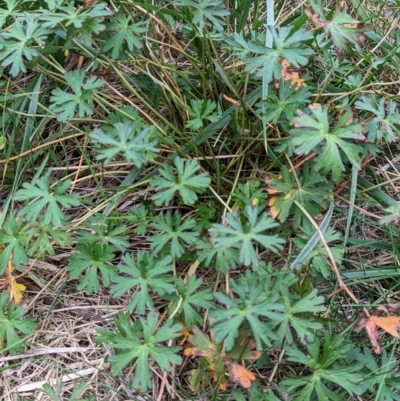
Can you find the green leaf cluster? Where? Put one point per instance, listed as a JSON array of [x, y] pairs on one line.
[[243, 231], [65, 104], [313, 133], [13, 325], [137, 342]]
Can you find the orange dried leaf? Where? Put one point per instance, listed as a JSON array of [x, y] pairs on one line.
[[292, 76], [185, 334], [14, 288], [241, 375], [16, 291], [390, 324], [223, 386], [272, 207]]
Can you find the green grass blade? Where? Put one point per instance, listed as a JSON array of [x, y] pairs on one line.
[[312, 243]]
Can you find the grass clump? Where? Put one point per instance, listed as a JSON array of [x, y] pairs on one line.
[[196, 204]]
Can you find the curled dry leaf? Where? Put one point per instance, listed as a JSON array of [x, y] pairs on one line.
[[390, 324]]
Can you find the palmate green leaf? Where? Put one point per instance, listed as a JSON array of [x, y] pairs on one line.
[[185, 181], [140, 343], [13, 236], [21, 42], [249, 305], [341, 35], [206, 13], [223, 259], [140, 217], [313, 134], [65, 104], [323, 365], [250, 193], [283, 107], [187, 297], [173, 234], [132, 139], [206, 214], [46, 200], [314, 193], [385, 124], [53, 4], [299, 314], [105, 231], [342, 28], [77, 17], [43, 238], [56, 394], [142, 275], [92, 258], [10, 8], [11, 324], [265, 62], [85, 22], [382, 375], [124, 34], [201, 110], [238, 235]]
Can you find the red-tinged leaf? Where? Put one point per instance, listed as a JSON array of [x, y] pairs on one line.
[[241, 375], [243, 349], [343, 29], [371, 331]]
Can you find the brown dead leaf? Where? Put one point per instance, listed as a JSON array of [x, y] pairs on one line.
[[241, 375]]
